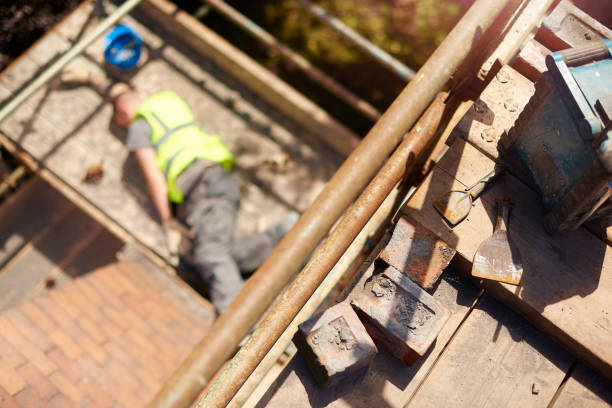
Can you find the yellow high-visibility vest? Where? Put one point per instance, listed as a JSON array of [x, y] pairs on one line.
[[177, 140]]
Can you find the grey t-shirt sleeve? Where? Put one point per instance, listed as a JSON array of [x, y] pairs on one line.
[[139, 135]]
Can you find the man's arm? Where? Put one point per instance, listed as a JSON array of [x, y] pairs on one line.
[[156, 182]]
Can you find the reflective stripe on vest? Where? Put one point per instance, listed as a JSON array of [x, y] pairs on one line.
[[177, 141]]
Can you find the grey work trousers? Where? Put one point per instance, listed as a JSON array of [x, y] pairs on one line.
[[209, 210]]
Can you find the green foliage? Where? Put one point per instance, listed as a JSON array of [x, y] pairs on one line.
[[408, 29]]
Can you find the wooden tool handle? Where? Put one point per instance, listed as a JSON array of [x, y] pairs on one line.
[[503, 214], [481, 184]]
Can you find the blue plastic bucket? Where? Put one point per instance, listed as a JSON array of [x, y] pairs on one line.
[[122, 47]]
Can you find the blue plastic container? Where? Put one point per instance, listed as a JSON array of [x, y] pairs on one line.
[[122, 47]]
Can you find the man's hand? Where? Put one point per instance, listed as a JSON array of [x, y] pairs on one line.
[[173, 233]]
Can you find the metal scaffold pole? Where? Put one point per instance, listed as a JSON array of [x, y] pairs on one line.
[[49, 73], [309, 70], [359, 41], [295, 248]]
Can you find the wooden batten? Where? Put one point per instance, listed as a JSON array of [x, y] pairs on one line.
[[254, 76]]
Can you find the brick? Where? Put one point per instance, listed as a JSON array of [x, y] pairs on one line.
[[36, 315], [107, 296], [141, 342], [157, 314], [185, 319], [147, 379], [95, 372], [6, 400], [118, 352], [69, 367], [141, 278], [10, 380], [66, 387], [116, 316], [160, 327], [136, 305], [417, 252], [30, 331], [92, 329], [62, 301], [104, 278], [88, 291], [399, 314], [111, 330], [128, 399], [335, 345], [78, 299], [27, 349], [100, 397], [59, 401], [118, 275], [65, 343], [9, 354], [38, 359], [144, 394], [150, 362], [122, 375], [54, 311], [29, 397], [34, 379], [10, 333], [530, 61], [567, 26], [136, 322], [170, 351], [92, 349]]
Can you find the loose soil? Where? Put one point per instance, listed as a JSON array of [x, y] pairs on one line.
[[22, 22]]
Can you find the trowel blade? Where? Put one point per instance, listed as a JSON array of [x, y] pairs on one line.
[[498, 258], [454, 206]]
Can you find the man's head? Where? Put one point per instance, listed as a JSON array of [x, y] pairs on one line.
[[125, 103]]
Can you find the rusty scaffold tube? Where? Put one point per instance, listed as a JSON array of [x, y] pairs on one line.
[[304, 65], [50, 72], [390, 175], [325, 257], [293, 250], [350, 35]]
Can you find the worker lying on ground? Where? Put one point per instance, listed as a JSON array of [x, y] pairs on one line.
[[190, 168]]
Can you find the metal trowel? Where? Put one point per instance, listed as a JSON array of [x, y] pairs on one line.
[[454, 206], [497, 257]]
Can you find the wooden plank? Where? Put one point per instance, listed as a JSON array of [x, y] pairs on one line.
[[487, 122], [495, 111], [497, 359], [25, 274], [23, 216], [390, 383], [82, 202], [526, 20], [585, 389], [568, 26], [100, 252], [67, 130], [531, 60], [567, 285], [253, 75]]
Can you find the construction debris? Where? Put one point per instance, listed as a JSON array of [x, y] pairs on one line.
[[399, 314], [335, 345]]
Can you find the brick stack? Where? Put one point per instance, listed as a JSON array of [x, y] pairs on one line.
[[107, 339], [390, 303]]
